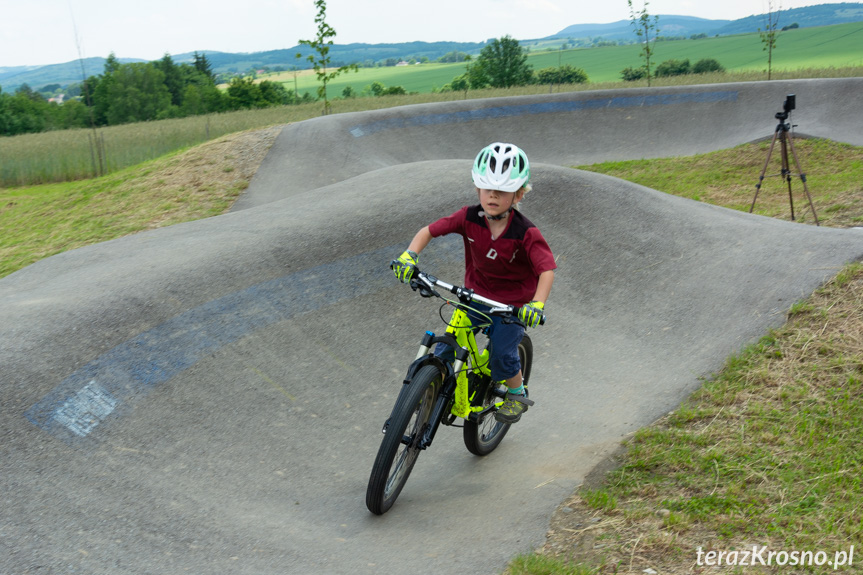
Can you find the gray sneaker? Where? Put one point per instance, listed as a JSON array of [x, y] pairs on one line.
[[512, 408]]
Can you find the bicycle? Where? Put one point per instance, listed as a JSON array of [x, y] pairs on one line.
[[436, 391]]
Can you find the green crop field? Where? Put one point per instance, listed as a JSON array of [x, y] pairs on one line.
[[836, 46]]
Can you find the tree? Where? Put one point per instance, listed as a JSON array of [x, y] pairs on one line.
[[202, 65], [460, 84], [454, 56], [320, 59], [274, 93], [647, 32], [137, 93], [502, 63], [245, 94], [768, 35], [173, 78]]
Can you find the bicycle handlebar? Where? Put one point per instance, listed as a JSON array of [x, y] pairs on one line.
[[465, 295]]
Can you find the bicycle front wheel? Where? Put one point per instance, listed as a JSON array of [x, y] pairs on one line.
[[482, 437], [400, 447]]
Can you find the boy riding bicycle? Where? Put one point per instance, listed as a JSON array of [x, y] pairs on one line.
[[506, 259]]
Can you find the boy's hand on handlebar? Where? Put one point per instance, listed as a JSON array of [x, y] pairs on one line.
[[405, 266], [531, 314]]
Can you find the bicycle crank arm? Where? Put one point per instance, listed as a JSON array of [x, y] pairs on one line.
[[479, 416]]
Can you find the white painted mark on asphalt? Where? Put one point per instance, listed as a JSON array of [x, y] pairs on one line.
[[82, 412]]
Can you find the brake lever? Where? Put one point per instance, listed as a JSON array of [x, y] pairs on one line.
[[423, 287]]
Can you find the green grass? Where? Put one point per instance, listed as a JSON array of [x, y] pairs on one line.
[[728, 178], [541, 565]]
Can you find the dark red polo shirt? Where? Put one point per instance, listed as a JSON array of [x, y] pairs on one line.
[[505, 269]]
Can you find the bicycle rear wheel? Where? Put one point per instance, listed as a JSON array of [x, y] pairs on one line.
[[400, 447], [482, 437]]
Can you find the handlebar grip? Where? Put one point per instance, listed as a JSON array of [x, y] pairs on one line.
[[517, 310], [395, 263]]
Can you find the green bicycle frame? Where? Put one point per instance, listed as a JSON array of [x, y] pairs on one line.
[[461, 328]]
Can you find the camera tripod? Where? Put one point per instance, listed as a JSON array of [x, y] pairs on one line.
[[781, 134]]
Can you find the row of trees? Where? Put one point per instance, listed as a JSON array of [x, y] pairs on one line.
[[138, 92], [502, 63], [673, 68]]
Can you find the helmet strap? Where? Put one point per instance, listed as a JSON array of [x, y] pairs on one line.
[[499, 216]]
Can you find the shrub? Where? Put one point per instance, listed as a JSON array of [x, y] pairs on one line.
[[707, 65], [673, 68], [632, 74], [393, 91], [566, 74]]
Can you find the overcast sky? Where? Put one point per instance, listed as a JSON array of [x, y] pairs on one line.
[[39, 32]]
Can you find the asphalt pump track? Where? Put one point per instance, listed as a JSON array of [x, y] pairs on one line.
[[208, 397]]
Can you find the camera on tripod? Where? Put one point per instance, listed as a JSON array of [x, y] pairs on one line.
[[789, 104], [786, 142]]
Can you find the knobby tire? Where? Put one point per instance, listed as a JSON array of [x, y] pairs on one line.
[[399, 449], [483, 437]]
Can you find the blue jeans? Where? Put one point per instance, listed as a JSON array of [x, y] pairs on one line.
[[504, 338]]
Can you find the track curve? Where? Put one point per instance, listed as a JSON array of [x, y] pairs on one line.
[[208, 397]]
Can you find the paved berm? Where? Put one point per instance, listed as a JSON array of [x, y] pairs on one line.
[[208, 397]]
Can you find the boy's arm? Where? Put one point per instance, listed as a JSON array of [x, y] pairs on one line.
[[420, 241], [543, 287], [531, 313]]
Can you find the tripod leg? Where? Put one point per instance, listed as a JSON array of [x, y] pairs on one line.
[[763, 170], [786, 172], [802, 179]]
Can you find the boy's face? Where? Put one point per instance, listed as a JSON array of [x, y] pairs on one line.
[[495, 202]]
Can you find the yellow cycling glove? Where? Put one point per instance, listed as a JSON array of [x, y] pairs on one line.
[[405, 266], [531, 314]]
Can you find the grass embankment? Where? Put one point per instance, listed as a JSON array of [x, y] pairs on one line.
[[41, 221], [727, 178], [765, 457]]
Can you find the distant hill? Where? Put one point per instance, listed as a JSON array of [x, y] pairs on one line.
[[363, 54], [63, 74], [622, 30], [370, 54], [821, 15]]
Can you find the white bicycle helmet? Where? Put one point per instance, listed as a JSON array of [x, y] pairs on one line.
[[501, 167]]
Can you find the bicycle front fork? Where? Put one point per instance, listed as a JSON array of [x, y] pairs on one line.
[[444, 398]]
